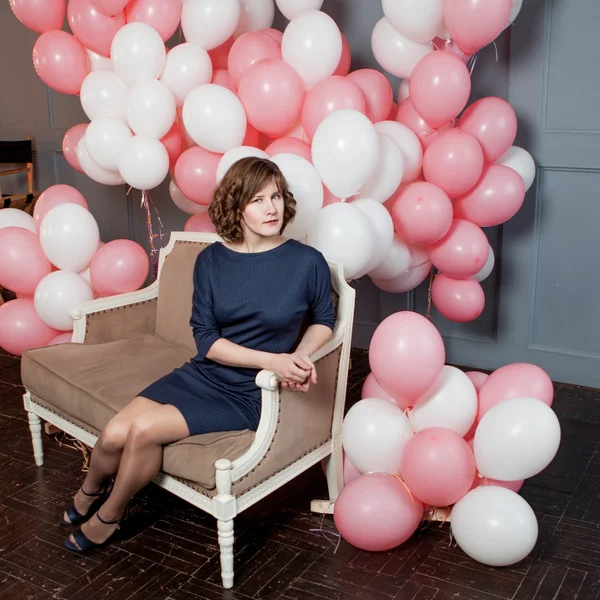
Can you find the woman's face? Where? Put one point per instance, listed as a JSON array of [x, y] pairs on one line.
[[263, 215]]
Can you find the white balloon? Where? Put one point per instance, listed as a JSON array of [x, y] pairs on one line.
[[97, 61], [69, 236], [403, 91], [389, 171], [294, 8], [232, 156], [105, 139], [406, 139], [514, 13], [209, 23], [400, 257], [305, 184], [374, 434], [406, 281], [215, 118], [13, 217], [344, 233], [104, 94], [183, 203], [345, 151], [494, 526], [487, 268], [395, 53], [451, 403], [188, 66], [254, 16], [520, 161], [516, 439], [312, 45], [138, 53], [418, 20], [151, 109], [94, 171], [144, 162], [59, 292]]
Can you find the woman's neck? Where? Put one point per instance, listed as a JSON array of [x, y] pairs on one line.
[[255, 244]]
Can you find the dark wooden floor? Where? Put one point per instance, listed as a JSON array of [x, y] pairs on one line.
[[171, 552]]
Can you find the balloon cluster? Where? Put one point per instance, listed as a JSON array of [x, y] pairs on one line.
[[55, 261], [426, 434]]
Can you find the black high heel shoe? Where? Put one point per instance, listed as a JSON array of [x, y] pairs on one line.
[[84, 544], [75, 517]]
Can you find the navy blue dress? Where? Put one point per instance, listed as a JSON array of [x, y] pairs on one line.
[[257, 300]]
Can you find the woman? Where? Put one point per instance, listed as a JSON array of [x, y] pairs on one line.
[[240, 327]]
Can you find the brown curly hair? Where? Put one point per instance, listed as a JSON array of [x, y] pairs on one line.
[[243, 180]]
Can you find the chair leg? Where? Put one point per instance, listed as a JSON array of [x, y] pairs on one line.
[[334, 467], [35, 426], [226, 548], [224, 509]]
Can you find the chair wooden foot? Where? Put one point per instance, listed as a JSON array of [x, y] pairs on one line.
[[35, 426], [322, 507], [226, 548]]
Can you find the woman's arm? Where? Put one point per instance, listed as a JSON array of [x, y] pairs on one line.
[[315, 337]]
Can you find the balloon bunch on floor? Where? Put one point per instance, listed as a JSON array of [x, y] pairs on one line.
[[54, 261], [427, 435], [387, 190]]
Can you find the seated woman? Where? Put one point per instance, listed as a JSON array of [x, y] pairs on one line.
[[240, 327]]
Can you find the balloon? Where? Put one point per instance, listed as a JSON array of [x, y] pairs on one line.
[[516, 439], [173, 143], [520, 161], [372, 389], [377, 92], [440, 87], [232, 156], [70, 142], [151, 110], [406, 355], [60, 61], [274, 34], [97, 62], [144, 162], [294, 8], [418, 20], [494, 526], [312, 45], [224, 79], [183, 203], [496, 197], [289, 145], [351, 473], [209, 23], [21, 328], [51, 197], [215, 118], [343, 67], [110, 7], [453, 162], [200, 223], [62, 338], [376, 513], [248, 49], [477, 378], [93, 29], [105, 139], [40, 16], [408, 142], [407, 115], [103, 94], [438, 466], [399, 258], [460, 300], [94, 171], [14, 217], [162, 15], [403, 91], [255, 15], [487, 268], [219, 56], [196, 174], [406, 281]]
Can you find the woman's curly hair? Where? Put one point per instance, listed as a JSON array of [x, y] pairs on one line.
[[244, 179]]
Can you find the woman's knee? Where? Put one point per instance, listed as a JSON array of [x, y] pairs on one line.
[[114, 437], [142, 431]]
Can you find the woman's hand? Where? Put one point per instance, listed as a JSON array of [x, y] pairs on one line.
[[291, 368], [302, 360]]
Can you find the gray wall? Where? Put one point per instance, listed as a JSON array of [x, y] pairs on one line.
[[542, 299]]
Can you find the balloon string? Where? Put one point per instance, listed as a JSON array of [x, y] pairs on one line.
[[146, 203], [396, 476], [325, 532], [429, 294]]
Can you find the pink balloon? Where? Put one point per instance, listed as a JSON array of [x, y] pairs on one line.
[[453, 162], [407, 115], [63, 338], [274, 34], [377, 91], [513, 486], [173, 142], [327, 96], [422, 213], [200, 223], [110, 7], [343, 67], [60, 61], [478, 378], [249, 48], [196, 174], [290, 145], [439, 87], [473, 24], [351, 473], [376, 513], [272, 94], [406, 356], [223, 78], [53, 196], [513, 381], [162, 15], [463, 252], [220, 54], [372, 389], [496, 198], [328, 197], [40, 15], [460, 300], [23, 263], [21, 328], [92, 28], [70, 142], [393, 112], [438, 466], [493, 122], [449, 45], [118, 267]]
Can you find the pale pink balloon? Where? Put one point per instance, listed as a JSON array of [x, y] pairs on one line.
[[60, 61], [173, 142], [53, 196], [473, 24], [408, 115], [460, 300], [462, 252], [63, 338], [110, 8], [199, 223], [223, 78], [274, 34], [23, 263], [118, 267], [438, 466], [406, 356], [290, 145], [454, 162], [422, 213], [343, 67], [493, 122], [478, 379], [351, 473], [377, 91], [249, 48], [40, 15], [21, 328], [393, 112], [162, 15], [439, 87], [513, 486], [327, 96], [496, 198], [70, 142], [196, 174], [272, 94], [328, 197], [514, 381], [220, 55], [92, 28], [372, 389], [376, 513]]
